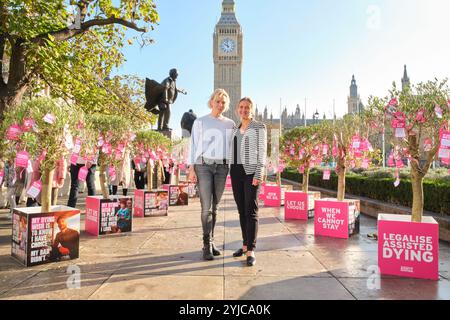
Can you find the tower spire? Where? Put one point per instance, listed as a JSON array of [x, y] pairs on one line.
[[405, 79]]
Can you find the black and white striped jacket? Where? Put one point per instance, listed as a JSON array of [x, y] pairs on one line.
[[253, 149]]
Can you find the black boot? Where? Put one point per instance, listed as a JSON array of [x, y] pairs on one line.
[[207, 252], [215, 250], [207, 249]]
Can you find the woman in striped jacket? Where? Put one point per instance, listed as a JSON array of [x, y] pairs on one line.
[[247, 159]]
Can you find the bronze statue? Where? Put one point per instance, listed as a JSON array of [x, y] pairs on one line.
[[160, 96]]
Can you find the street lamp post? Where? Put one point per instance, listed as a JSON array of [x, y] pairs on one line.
[[315, 116]]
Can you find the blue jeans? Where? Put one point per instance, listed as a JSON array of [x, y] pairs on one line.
[[211, 180]]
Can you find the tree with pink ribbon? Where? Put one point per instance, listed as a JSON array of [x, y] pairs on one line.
[[350, 146], [40, 129], [112, 135], [419, 117], [151, 148], [302, 148]]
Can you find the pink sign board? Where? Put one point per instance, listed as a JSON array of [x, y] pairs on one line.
[[272, 195], [151, 203], [296, 205], [92, 215], [299, 205], [331, 219], [108, 216], [139, 203], [408, 249]]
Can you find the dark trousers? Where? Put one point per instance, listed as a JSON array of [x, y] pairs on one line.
[[124, 191], [75, 184], [139, 180], [245, 195], [164, 116]]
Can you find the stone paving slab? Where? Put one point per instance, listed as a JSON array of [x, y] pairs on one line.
[[285, 288], [277, 263], [52, 285], [162, 259], [398, 289], [164, 287]]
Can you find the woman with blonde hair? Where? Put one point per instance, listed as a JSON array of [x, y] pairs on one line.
[[247, 159], [208, 164]]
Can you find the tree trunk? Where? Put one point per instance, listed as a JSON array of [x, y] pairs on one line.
[[10, 98], [341, 183], [46, 192], [149, 176], [177, 175], [103, 182], [305, 184], [417, 188], [279, 178]]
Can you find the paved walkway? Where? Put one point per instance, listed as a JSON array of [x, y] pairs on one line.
[[162, 259]]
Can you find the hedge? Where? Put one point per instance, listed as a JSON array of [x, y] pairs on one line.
[[436, 193]]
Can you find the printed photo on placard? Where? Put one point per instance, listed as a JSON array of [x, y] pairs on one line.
[[19, 237], [161, 204], [178, 196], [123, 214], [66, 236]]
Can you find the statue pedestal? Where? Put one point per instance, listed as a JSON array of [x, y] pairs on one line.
[[167, 133]]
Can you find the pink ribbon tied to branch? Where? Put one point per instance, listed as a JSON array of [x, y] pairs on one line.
[[420, 116]]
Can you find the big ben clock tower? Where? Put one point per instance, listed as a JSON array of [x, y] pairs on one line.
[[228, 56]]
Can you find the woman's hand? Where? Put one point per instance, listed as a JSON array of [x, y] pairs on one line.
[[192, 176], [256, 182]]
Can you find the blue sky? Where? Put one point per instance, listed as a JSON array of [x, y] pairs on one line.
[[297, 49]]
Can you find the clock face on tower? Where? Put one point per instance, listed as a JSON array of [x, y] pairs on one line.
[[227, 45]]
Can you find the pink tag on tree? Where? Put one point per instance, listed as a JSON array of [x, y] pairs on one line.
[[118, 154], [427, 145], [420, 117], [438, 111], [356, 142], [325, 149], [82, 174], [28, 124], [42, 156], [2, 174], [400, 132], [137, 160], [106, 148], [22, 158], [13, 132], [301, 169], [100, 141], [49, 118], [74, 159], [326, 175], [77, 146], [182, 166], [112, 173], [35, 189], [365, 163]]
